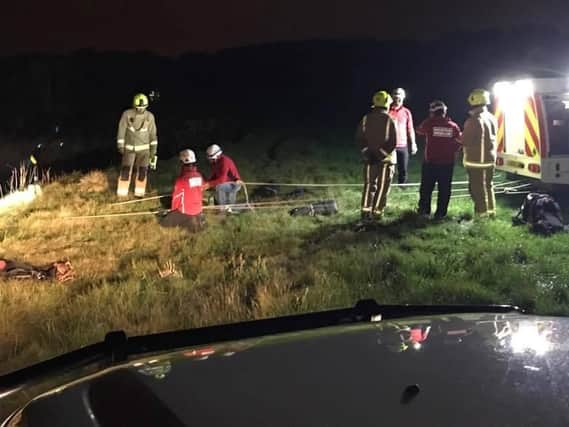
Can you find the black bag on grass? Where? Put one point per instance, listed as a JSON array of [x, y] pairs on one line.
[[541, 213], [327, 207]]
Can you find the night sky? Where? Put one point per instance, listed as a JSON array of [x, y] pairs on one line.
[[171, 27]]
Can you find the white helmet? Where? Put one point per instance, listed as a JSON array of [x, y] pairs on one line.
[[213, 152], [400, 92], [187, 157]]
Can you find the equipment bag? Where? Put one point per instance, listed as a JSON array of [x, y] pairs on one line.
[[541, 213], [327, 207]]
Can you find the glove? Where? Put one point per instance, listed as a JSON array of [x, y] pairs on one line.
[[120, 149], [153, 163], [413, 149]]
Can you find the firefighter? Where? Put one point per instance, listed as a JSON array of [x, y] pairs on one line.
[[225, 178], [405, 133], [137, 142], [479, 146], [187, 196], [442, 143], [376, 137]]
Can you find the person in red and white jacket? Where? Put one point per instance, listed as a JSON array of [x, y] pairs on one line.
[[443, 142], [225, 178], [403, 119], [187, 196]]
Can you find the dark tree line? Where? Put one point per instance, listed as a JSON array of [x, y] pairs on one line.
[[219, 96]]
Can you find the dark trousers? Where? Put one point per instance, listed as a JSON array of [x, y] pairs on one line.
[[402, 163], [442, 176], [192, 223]]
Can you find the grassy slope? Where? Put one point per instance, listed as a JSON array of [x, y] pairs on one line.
[[258, 265]]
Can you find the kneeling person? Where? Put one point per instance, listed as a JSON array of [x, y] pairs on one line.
[[187, 206], [224, 177]]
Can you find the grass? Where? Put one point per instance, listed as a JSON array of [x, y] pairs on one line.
[[136, 276]]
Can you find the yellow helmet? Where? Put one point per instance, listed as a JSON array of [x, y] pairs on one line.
[[479, 97], [140, 100], [382, 99]]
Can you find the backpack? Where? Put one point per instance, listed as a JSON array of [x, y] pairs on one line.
[[541, 213]]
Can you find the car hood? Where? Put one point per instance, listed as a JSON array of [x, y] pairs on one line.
[[465, 369]]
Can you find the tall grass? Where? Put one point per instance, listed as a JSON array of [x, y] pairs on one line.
[[136, 276]]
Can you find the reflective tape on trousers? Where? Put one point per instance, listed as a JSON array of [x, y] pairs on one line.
[[137, 148]]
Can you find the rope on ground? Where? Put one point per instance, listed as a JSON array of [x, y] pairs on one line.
[[144, 199], [517, 187], [111, 215]]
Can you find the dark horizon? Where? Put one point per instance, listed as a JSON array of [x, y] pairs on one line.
[[171, 28]]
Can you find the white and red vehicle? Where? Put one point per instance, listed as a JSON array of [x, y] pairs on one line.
[[533, 128]]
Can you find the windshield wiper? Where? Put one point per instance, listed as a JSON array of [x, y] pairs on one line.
[[118, 348]]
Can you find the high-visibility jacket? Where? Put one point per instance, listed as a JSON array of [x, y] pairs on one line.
[[376, 136], [188, 192], [137, 132], [479, 139]]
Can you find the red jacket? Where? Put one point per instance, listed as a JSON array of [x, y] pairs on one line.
[[188, 190], [404, 124], [223, 170], [443, 139]]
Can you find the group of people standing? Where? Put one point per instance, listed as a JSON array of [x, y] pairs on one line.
[[386, 137]]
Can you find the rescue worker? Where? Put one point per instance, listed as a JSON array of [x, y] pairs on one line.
[[187, 196], [442, 143], [479, 146], [405, 133], [138, 143], [225, 178], [376, 137]]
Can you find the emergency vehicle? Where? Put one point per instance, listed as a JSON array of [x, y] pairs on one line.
[[533, 128]]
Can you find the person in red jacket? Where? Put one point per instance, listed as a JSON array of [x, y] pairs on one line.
[[403, 119], [187, 196], [443, 141], [225, 178]]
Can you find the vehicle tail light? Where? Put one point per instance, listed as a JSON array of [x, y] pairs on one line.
[[533, 167]]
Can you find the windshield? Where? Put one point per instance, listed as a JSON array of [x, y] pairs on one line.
[[174, 166]]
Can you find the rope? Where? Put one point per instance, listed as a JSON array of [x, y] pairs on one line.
[[263, 204], [112, 215], [517, 187], [246, 196], [141, 200], [282, 184]]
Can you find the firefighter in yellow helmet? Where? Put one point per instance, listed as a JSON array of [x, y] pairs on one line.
[[479, 147], [376, 137], [138, 143]]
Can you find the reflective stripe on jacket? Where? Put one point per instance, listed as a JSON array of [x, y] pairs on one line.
[[137, 131]]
